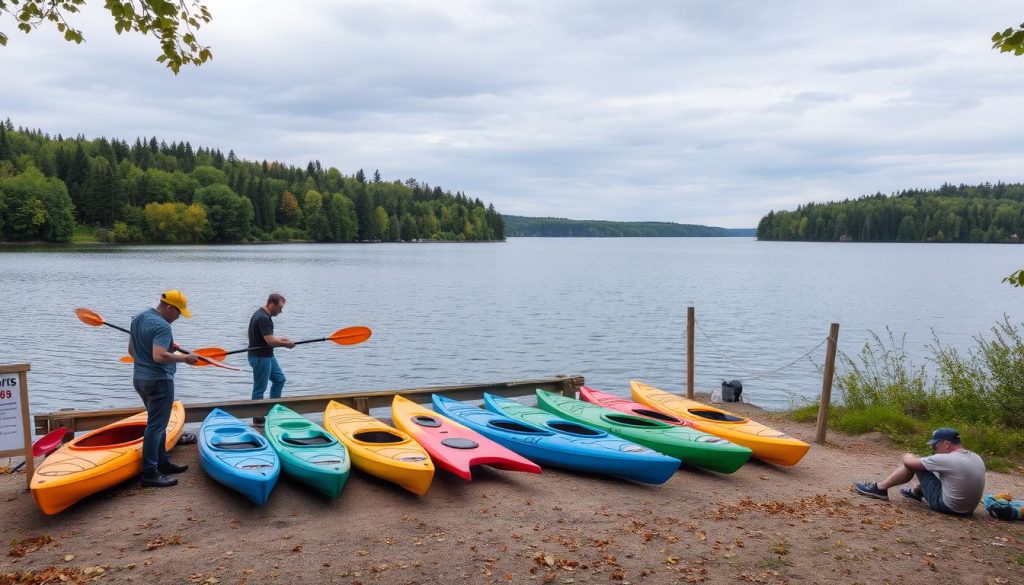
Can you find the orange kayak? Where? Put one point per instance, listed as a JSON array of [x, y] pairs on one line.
[[767, 443], [96, 461]]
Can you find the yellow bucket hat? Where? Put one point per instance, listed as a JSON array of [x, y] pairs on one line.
[[176, 298]]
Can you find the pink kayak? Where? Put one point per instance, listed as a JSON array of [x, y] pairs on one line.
[[452, 446], [627, 406]]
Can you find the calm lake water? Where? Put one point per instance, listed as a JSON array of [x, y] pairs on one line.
[[608, 309]]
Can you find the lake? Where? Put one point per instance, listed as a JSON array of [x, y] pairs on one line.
[[608, 309]]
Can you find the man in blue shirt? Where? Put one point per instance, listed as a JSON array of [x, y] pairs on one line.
[[152, 347]]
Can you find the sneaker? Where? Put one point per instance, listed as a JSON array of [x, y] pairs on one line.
[[170, 468], [259, 420], [871, 490], [158, 480], [910, 493]]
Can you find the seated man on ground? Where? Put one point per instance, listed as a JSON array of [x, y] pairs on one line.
[[952, 480]]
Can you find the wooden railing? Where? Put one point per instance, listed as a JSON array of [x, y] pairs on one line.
[[85, 420]]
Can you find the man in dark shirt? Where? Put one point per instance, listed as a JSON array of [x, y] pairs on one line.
[[261, 336]]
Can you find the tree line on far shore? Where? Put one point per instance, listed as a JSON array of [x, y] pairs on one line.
[[556, 227], [989, 213], [152, 192]]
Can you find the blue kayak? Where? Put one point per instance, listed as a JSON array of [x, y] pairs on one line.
[[562, 443], [234, 454]]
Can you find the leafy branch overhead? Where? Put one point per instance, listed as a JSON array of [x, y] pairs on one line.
[[1010, 40], [174, 24]]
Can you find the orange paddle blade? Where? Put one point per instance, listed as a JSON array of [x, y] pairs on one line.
[[214, 353], [126, 359], [88, 317], [350, 335]]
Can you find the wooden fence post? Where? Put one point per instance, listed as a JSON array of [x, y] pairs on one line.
[[690, 320], [826, 384]]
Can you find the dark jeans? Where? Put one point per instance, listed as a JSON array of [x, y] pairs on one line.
[[158, 396], [931, 489]]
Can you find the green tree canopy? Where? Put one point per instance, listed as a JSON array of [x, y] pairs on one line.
[[173, 23]]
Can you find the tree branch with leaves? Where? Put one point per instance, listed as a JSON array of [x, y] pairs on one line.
[[174, 24], [1010, 40]]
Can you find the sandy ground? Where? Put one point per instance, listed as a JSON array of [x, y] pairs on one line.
[[763, 524]]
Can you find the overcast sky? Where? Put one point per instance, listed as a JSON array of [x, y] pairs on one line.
[[694, 112]]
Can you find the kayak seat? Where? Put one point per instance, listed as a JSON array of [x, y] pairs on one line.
[[310, 440], [715, 415], [295, 425], [238, 446], [235, 438]]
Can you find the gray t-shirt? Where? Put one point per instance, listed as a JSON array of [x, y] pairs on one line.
[[149, 329], [962, 474]]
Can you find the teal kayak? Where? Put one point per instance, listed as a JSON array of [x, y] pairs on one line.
[[308, 453], [694, 447]]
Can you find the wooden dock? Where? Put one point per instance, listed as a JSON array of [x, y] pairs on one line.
[[87, 420]]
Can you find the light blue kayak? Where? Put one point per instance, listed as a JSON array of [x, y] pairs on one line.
[[562, 443], [308, 453], [234, 454]]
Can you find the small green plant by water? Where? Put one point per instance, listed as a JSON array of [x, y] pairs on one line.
[[980, 392]]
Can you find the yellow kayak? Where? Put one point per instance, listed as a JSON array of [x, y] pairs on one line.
[[379, 449], [767, 443], [97, 460]]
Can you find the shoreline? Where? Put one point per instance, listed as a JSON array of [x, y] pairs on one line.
[[763, 524]]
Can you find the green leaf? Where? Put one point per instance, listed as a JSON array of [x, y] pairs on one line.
[[3, 40]]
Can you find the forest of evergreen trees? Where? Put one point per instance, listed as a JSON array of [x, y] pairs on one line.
[[965, 213], [153, 192], [556, 227]]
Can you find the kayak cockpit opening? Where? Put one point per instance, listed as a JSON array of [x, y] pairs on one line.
[[657, 415], [574, 429], [515, 427], [378, 437], [633, 421], [716, 415], [111, 437]]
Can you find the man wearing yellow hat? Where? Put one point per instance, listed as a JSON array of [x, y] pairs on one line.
[[152, 346]]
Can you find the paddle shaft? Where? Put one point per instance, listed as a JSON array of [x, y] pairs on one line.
[[246, 349]]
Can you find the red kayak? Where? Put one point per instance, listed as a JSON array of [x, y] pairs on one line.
[[451, 445], [627, 406]]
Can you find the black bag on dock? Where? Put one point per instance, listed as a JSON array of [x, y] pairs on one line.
[[731, 391]]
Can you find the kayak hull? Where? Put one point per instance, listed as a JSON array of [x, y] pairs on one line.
[[97, 460], [693, 447], [767, 443], [452, 446], [584, 449], [308, 453], [234, 454], [379, 449]]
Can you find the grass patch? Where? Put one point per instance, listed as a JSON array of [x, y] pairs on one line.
[[980, 393], [84, 234]]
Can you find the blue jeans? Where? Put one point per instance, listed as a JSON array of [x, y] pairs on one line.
[[158, 396], [266, 369]]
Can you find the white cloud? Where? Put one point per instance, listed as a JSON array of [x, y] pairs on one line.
[[682, 111]]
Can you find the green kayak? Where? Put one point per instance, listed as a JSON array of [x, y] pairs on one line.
[[694, 447], [308, 453]]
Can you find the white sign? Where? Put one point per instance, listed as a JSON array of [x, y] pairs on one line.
[[12, 430]]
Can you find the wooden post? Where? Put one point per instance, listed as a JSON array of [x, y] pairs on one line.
[[15, 412], [690, 320], [826, 384]]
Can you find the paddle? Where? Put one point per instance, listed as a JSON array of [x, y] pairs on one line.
[[46, 444], [210, 352], [93, 319], [344, 336]]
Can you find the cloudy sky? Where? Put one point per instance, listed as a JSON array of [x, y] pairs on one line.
[[670, 110]]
